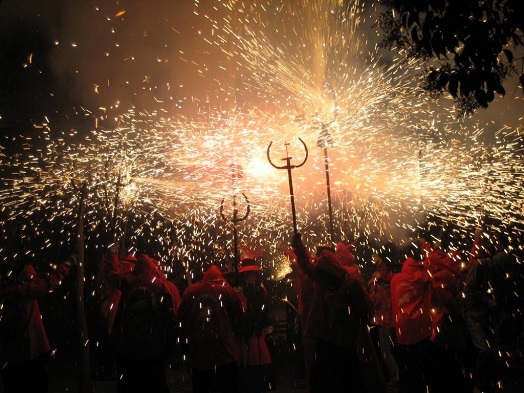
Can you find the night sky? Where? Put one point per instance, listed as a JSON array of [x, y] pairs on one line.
[[86, 64], [98, 54]]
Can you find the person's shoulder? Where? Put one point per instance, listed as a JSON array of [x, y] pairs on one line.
[[191, 289], [395, 277]]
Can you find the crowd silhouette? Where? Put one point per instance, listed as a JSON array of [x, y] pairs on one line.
[[361, 316]]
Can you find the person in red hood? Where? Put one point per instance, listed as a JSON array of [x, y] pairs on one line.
[[339, 307], [107, 280], [346, 258], [108, 277], [449, 332], [145, 325], [24, 346], [411, 306], [210, 317]]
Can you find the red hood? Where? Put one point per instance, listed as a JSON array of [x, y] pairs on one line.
[[328, 262], [214, 276], [27, 273], [414, 270], [148, 266], [439, 260], [344, 255]]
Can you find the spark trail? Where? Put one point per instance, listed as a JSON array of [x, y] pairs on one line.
[[277, 71]]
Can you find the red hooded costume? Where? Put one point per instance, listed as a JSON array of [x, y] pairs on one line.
[[252, 346], [22, 332], [339, 302], [148, 277], [446, 287], [411, 303], [210, 315], [107, 281]]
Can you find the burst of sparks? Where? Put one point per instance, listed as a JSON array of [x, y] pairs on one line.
[[282, 70]]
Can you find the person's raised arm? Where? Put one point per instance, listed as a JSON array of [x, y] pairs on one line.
[[303, 257], [40, 284]]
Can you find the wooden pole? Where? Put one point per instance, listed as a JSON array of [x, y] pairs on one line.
[[85, 384]]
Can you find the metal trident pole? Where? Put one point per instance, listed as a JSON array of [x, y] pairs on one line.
[[235, 219], [288, 166]]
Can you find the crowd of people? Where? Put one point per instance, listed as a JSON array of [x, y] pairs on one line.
[[426, 318]]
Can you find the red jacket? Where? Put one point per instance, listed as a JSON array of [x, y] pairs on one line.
[[210, 316], [446, 282], [411, 303], [108, 278], [146, 277], [22, 332], [339, 303], [445, 289]]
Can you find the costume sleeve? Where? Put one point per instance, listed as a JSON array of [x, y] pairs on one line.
[[304, 262], [40, 284], [111, 270], [358, 298]]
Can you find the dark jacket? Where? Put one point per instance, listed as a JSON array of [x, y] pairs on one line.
[[490, 286]]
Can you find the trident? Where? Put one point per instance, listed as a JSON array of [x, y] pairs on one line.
[[235, 219], [288, 166]]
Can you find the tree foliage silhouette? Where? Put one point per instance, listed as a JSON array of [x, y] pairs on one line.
[[468, 47]]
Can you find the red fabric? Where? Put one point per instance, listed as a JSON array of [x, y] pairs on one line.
[[130, 340], [335, 315], [147, 271], [425, 248], [346, 258], [22, 332], [411, 303], [380, 295], [344, 255], [227, 316], [446, 284], [252, 350], [108, 279], [142, 270]]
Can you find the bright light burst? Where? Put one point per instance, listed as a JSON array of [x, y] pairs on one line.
[[282, 70]]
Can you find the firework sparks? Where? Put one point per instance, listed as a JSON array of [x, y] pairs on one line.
[[276, 72]]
